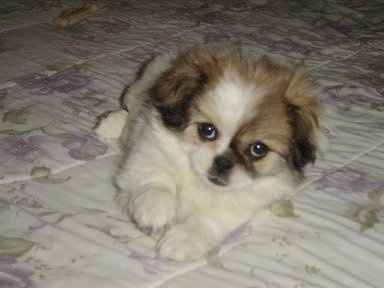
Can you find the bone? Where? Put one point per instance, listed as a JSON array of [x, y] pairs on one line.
[[76, 15]]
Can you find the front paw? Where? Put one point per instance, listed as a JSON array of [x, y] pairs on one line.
[[183, 243], [153, 210], [111, 124]]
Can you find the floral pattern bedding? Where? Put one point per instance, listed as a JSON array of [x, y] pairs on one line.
[[58, 224]]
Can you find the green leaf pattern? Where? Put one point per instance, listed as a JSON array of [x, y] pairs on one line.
[[59, 225], [14, 247], [367, 214]]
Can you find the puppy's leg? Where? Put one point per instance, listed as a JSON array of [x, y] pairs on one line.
[[199, 234], [152, 207]]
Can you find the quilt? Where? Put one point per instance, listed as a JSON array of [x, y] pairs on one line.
[[59, 226]]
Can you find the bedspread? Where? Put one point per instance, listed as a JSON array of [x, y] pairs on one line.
[[58, 223]]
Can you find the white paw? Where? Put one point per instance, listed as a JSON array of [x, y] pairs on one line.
[[153, 210], [183, 243], [111, 125]]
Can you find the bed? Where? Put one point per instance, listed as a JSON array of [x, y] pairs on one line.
[[59, 226]]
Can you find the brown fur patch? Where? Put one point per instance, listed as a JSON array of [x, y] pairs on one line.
[[191, 73], [290, 114], [287, 118], [305, 114]]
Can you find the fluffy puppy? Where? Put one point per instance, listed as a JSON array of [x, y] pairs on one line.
[[211, 137]]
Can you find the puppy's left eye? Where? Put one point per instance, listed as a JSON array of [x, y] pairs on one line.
[[207, 131], [258, 150]]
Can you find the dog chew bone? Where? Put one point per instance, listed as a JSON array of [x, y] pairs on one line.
[[76, 15]]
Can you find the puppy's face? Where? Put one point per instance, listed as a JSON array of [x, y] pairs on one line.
[[239, 120]]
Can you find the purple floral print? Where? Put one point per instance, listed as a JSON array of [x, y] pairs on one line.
[[11, 275], [78, 103], [26, 149], [375, 80], [238, 234], [46, 218], [338, 98], [85, 147], [347, 180], [84, 32], [151, 265], [63, 82], [28, 201]]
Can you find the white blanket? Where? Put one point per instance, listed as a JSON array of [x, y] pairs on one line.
[[58, 224]]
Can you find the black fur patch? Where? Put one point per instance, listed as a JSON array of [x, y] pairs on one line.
[[302, 153], [302, 150], [176, 115]]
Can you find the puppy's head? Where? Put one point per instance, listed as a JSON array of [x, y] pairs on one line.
[[239, 119]]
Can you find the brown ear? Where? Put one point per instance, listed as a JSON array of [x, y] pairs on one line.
[[306, 116], [175, 89]]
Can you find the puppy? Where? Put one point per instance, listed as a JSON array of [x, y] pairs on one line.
[[212, 136]]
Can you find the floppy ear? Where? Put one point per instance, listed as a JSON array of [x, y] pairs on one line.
[[306, 115], [175, 89]]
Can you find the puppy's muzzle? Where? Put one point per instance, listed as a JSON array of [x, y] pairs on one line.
[[222, 164], [219, 172]]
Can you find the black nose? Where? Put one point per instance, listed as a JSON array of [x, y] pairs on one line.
[[222, 164]]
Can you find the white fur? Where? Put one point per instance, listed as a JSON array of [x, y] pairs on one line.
[[225, 98], [231, 110], [162, 193], [111, 127], [163, 184]]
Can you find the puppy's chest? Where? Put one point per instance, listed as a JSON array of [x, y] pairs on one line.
[[194, 197]]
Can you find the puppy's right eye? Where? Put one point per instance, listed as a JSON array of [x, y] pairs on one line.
[[257, 150], [207, 131]]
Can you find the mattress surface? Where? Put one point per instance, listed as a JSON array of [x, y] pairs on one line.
[[59, 226]]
